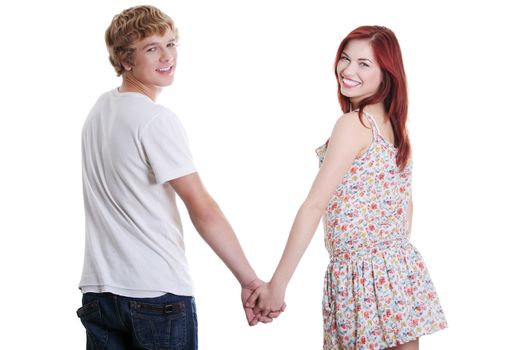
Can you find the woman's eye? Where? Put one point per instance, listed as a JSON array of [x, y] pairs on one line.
[[362, 64], [151, 49]]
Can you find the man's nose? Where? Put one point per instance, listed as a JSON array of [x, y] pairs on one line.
[[167, 55]]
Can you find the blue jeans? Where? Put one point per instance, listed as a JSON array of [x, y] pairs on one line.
[[115, 322]]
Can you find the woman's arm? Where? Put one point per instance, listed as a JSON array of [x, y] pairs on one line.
[[349, 138]]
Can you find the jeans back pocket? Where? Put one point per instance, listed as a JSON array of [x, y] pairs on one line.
[[91, 317], [159, 326]]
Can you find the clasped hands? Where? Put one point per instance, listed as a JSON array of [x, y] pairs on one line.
[[262, 302]]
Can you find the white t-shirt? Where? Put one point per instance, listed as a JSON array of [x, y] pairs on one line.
[[134, 246]]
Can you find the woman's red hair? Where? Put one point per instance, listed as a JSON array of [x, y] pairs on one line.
[[392, 91]]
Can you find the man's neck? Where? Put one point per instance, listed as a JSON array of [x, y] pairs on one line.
[[130, 84]]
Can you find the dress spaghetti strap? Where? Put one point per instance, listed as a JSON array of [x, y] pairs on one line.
[[375, 128]]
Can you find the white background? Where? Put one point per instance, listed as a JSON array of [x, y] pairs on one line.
[[256, 92]]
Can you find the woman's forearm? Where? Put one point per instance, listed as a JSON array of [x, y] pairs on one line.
[[303, 229]]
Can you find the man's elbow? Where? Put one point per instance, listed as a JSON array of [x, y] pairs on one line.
[[204, 214]]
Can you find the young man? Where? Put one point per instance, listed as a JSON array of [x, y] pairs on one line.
[[137, 291]]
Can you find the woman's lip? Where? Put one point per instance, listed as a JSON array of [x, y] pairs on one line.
[[350, 82]]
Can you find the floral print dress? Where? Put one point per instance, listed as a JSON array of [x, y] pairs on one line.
[[378, 292]]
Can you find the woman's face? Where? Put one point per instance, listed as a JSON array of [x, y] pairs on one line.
[[358, 73]]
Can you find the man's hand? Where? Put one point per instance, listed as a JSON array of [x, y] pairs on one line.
[[267, 300], [251, 316]]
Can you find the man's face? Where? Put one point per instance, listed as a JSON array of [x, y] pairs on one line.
[[155, 58]]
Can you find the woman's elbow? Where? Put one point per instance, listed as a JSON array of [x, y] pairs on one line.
[[313, 206]]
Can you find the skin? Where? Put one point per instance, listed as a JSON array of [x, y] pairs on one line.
[[153, 69], [413, 345], [359, 77]]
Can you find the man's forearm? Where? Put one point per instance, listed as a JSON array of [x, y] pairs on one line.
[[214, 228]]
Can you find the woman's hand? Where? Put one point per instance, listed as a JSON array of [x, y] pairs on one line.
[[267, 300]]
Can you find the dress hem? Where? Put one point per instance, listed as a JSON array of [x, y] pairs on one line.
[[416, 337], [402, 342]]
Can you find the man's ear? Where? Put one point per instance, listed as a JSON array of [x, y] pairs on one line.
[[127, 67]]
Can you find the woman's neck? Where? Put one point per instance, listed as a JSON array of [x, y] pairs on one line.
[[376, 109]]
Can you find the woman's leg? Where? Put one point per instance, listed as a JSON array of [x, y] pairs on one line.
[[413, 345]]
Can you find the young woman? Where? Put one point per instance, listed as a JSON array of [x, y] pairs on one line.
[[378, 293]]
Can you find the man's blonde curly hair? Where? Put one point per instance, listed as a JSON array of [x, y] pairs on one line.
[[133, 24]]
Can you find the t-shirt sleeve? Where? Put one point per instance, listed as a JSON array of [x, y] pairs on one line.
[[166, 147]]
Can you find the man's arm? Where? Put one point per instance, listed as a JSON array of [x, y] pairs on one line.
[[214, 228]]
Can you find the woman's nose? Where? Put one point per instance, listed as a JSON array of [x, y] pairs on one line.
[[349, 70]]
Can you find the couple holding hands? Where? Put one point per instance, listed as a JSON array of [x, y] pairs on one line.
[[136, 286]]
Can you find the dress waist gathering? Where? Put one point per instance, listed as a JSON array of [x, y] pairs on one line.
[[356, 249]]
